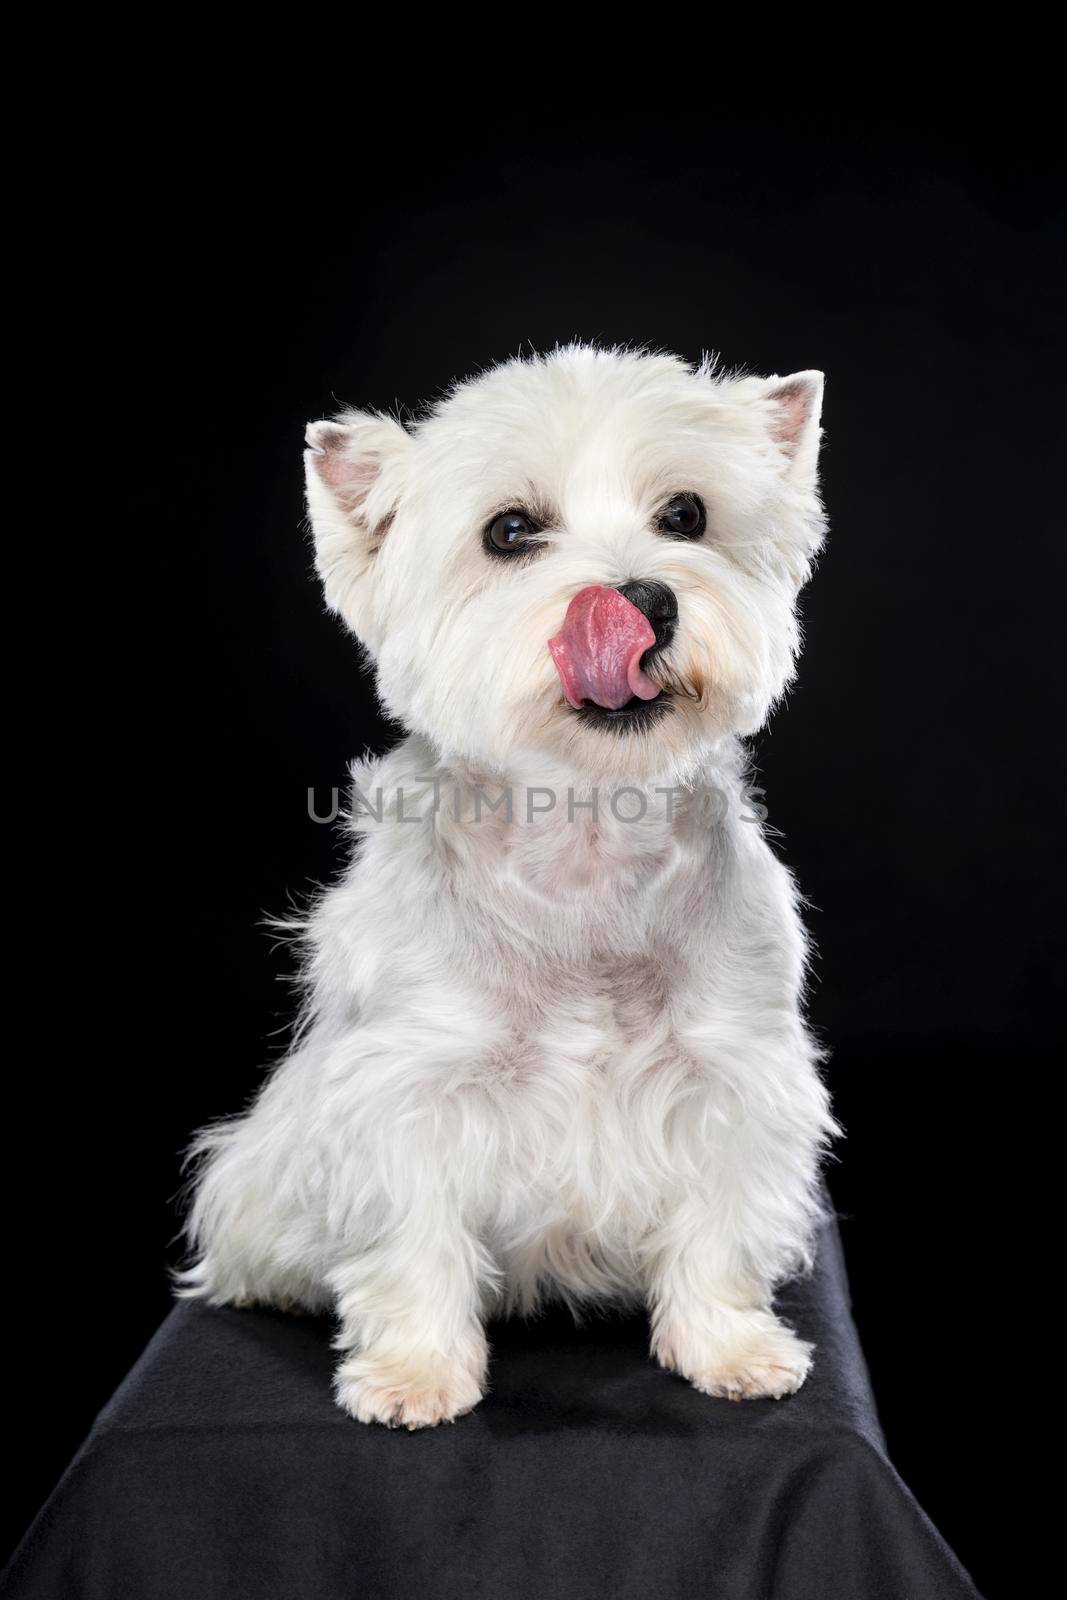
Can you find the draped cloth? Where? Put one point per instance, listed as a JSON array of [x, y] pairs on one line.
[[222, 1467]]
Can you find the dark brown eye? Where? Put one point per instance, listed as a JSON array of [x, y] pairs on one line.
[[510, 533], [683, 516]]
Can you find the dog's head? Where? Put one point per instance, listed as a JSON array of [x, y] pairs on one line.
[[591, 557]]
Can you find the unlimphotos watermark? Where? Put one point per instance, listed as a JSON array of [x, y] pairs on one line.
[[426, 797]]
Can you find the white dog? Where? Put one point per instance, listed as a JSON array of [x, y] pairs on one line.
[[553, 1043]]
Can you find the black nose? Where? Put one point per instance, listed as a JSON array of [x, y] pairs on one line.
[[659, 604]]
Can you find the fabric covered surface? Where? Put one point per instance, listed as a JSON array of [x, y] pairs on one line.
[[222, 1467]]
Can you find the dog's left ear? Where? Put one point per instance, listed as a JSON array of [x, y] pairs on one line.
[[356, 468], [795, 407]]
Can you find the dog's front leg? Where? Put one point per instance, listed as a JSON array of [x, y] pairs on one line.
[[713, 1324], [730, 1237], [414, 1349]]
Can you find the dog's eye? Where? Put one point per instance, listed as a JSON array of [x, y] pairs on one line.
[[683, 516], [510, 533]]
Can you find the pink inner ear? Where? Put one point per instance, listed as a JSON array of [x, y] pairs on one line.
[[351, 479], [793, 403]]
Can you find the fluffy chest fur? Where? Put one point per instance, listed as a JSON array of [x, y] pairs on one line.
[[563, 1033]]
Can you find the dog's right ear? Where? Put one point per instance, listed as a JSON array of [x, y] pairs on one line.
[[356, 469]]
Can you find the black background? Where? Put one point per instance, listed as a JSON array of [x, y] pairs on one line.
[[228, 290]]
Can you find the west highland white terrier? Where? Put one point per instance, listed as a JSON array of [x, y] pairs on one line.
[[553, 1044]]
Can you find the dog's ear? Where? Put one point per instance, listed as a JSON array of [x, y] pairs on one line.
[[795, 410], [356, 468]]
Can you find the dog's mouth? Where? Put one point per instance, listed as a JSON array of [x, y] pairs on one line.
[[601, 654], [634, 717]]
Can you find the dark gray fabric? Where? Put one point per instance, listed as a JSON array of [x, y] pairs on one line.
[[221, 1467]]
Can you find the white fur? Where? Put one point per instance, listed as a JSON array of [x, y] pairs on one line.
[[562, 1054]]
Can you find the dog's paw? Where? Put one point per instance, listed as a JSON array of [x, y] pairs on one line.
[[409, 1399], [750, 1355]]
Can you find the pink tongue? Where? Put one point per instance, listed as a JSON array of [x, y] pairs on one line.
[[598, 650]]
